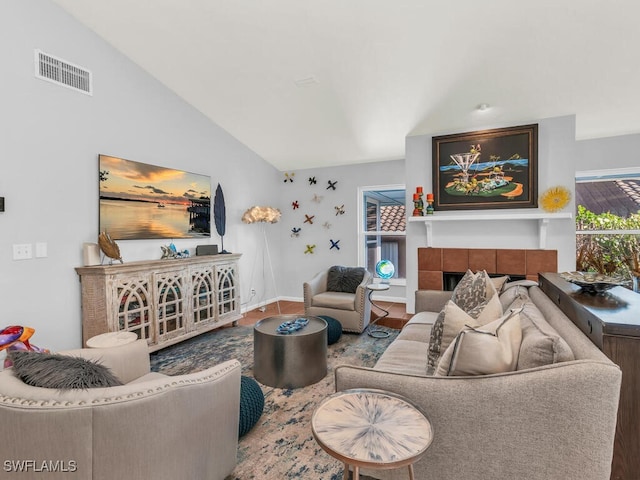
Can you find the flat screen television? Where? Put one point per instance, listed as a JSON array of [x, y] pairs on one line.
[[142, 201]]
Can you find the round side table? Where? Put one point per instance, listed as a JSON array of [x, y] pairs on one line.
[[289, 361], [377, 332], [111, 339], [371, 429]]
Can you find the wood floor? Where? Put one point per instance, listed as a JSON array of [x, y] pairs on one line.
[[396, 319]]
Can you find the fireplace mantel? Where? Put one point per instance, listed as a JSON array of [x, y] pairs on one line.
[[543, 219]]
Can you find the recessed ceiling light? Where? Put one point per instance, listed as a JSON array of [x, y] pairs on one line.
[[483, 106]]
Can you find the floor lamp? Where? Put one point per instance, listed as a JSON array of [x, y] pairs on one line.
[[264, 215]]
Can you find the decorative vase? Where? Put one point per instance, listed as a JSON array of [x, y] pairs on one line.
[[418, 204], [430, 204]]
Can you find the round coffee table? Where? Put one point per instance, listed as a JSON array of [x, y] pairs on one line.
[[293, 360], [372, 429]]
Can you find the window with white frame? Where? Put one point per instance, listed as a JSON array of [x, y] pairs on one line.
[[608, 223], [382, 228]]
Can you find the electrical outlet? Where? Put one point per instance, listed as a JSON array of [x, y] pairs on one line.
[[253, 291], [22, 251]]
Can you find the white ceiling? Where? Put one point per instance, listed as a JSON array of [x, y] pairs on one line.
[[385, 69]]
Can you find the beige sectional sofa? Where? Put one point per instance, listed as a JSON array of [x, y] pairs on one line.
[[549, 422], [152, 427]]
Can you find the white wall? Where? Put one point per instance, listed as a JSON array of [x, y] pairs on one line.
[[49, 149], [556, 166], [608, 153], [51, 139], [297, 266]]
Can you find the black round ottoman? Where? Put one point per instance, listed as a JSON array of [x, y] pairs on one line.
[[251, 404], [334, 329]]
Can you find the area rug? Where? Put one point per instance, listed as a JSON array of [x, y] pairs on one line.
[[281, 445]]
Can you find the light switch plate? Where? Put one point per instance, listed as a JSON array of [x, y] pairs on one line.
[[41, 249]]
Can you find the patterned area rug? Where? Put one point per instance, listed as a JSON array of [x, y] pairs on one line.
[[281, 445]]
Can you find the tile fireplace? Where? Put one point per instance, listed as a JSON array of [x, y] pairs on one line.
[[438, 267]]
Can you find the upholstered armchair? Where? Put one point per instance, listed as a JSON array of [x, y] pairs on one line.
[[153, 426], [341, 293]]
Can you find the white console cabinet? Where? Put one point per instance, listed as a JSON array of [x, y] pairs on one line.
[[162, 301]]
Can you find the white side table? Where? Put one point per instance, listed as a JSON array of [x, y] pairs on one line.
[[377, 333], [371, 429], [111, 339]]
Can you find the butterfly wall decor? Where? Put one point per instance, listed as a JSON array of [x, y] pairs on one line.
[[326, 225], [339, 210], [332, 185], [312, 180], [317, 198], [334, 244], [308, 219], [295, 204], [295, 232], [310, 249], [288, 177]]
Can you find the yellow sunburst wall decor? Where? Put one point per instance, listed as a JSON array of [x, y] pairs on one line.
[[555, 198]]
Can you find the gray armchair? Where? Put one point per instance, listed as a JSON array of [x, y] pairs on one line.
[[352, 310], [153, 426]]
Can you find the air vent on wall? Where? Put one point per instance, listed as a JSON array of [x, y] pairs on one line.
[[61, 72]]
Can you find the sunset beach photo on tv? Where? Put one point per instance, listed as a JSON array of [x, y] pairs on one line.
[[143, 201]]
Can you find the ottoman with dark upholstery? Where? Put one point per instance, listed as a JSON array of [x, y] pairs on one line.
[[334, 329], [251, 404]]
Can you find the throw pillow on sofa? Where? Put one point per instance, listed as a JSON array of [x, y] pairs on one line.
[[451, 320], [541, 344], [492, 348], [473, 294], [511, 294], [471, 290], [344, 279], [499, 282], [61, 371]]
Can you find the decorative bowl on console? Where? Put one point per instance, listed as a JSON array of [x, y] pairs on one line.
[[590, 282]]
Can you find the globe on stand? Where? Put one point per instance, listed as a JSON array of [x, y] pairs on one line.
[[385, 269]]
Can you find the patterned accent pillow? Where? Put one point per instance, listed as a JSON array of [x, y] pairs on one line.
[[435, 342], [471, 290], [451, 320]]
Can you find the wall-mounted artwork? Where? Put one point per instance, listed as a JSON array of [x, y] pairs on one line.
[[486, 169], [142, 201]]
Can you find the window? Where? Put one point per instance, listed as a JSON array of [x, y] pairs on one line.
[[382, 228], [608, 223]]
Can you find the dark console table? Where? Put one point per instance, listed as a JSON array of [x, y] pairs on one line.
[[612, 321]]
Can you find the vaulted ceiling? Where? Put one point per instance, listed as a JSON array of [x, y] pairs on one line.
[[308, 83]]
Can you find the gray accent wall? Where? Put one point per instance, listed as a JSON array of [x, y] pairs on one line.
[[299, 266], [50, 142]]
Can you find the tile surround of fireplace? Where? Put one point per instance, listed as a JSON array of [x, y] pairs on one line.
[[434, 262]]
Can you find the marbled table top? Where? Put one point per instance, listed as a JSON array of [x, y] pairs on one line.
[[371, 427]]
